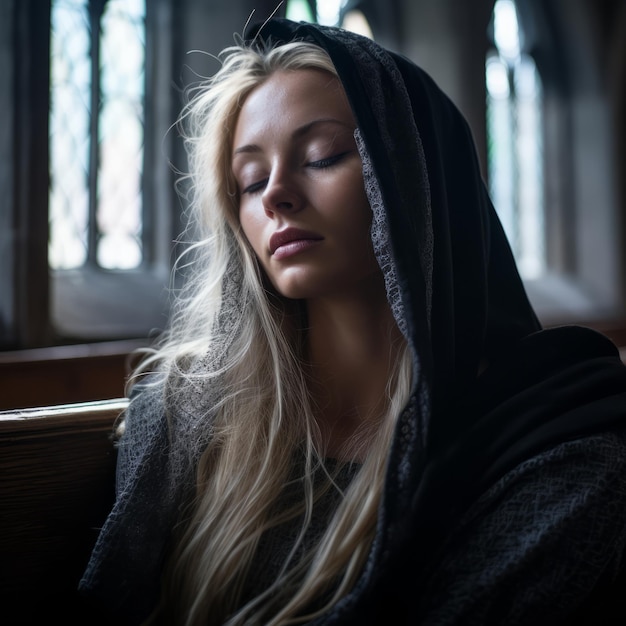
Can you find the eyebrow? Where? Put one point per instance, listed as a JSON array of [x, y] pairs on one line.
[[299, 132]]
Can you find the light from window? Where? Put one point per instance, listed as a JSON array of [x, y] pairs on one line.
[[95, 208], [356, 22], [515, 146], [299, 11], [121, 134], [70, 76], [329, 13]]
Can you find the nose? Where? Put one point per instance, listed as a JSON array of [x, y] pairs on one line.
[[282, 194]]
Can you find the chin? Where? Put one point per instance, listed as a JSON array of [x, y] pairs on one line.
[[297, 287]]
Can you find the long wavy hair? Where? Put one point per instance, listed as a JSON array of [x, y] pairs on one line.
[[235, 345]]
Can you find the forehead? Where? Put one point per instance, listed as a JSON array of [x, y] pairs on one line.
[[290, 99]]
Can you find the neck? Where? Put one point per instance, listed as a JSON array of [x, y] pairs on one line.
[[354, 344]]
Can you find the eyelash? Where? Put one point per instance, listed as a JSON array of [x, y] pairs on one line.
[[328, 161], [318, 165], [254, 187]]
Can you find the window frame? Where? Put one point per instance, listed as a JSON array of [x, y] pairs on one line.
[[47, 307], [24, 39], [583, 281], [588, 281], [94, 303]]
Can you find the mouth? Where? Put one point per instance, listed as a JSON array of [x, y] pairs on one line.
[[292, 238]]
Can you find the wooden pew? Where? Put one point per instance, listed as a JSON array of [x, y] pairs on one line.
[[63, 374], [57, 474]]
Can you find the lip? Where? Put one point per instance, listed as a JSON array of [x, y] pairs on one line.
[[294, 236]]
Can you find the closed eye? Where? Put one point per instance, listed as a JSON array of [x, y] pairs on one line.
[[255, 187], [328, 161]]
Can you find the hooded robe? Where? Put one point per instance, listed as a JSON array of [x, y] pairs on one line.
[[505, 491]]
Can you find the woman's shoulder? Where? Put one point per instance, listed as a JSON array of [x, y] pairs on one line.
[[142, 432], [146, 408], [144, 419], [149, 491], [167, 424], [553, 527], [586, 471]]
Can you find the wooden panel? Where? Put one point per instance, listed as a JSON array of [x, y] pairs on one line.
[[65, 374], [57, 473]]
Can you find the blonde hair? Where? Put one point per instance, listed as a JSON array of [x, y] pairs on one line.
[[229, 333]]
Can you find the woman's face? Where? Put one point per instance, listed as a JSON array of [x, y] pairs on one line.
[[302, 203]]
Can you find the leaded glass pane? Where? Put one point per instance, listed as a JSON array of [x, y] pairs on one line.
[[515, 142], [530, 168], [116, 230], [121, 135], [70, 76]]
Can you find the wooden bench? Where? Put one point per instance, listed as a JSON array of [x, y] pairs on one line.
[[57, 477], [63, 374]]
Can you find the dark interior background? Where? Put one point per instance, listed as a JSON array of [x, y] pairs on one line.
[[67, 336]]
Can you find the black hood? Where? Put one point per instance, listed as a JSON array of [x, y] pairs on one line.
[[457, 295], [462, 295]]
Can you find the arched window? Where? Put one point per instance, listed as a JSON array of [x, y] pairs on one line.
[[515, 140]]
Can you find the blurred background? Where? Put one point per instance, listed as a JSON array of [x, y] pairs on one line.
[[89, 162]]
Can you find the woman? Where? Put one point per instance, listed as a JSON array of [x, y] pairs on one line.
[[356, 417]]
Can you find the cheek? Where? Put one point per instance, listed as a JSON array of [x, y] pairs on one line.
[[360, 213], [359, 226], [251, 228]]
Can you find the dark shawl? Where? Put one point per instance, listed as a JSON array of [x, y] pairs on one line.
[[463, 301], [457, 296]]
